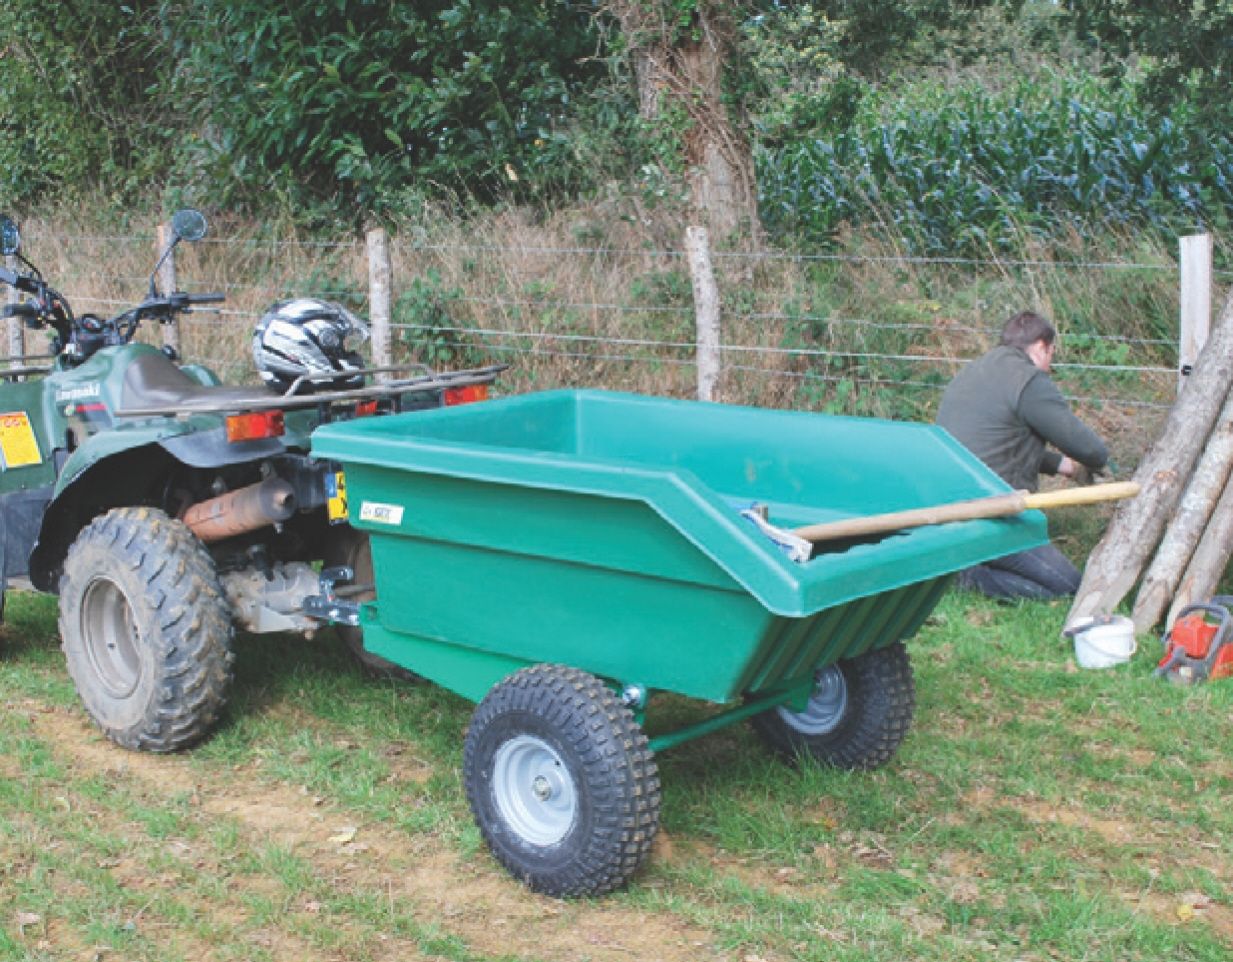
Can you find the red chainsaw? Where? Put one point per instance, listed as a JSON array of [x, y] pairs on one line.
[[1198, 646]]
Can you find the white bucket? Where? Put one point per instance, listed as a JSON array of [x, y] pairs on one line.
[[1103, 642]]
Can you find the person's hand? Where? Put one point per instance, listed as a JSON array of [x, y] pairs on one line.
[[1082, 474], [1078, 473]]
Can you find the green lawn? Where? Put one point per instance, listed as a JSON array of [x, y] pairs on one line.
[[1035, 812]]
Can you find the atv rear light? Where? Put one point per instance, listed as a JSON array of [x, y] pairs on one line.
[[465, 395], [255, 426], [365, 409]]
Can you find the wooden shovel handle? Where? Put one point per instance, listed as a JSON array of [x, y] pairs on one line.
[[1091, 494], [996, 506]]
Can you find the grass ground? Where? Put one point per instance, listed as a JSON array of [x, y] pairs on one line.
[[1035, 812]]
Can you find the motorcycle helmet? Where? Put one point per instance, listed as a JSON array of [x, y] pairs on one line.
[[305, 335]]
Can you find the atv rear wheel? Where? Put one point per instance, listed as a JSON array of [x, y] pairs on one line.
[[146, 630]]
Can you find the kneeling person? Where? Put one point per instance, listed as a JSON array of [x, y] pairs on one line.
[[1005, 409]]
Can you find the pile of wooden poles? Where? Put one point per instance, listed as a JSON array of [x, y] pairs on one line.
[[1182, 519]]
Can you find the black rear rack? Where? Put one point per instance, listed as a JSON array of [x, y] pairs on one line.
[[261, 400]]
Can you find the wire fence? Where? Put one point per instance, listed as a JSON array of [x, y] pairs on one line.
[[795, 329]]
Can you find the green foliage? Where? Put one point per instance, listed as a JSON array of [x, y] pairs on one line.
[[879, 36], [75, 109], [1183, 49], [794, 83], [353, 101], [427, 325], [972, 169]]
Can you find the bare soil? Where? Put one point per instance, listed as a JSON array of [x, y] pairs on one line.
[[472, 901]]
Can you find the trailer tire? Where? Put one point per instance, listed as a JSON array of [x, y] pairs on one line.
[[353, 549], [561, 781], [860, 710], [146, 630]]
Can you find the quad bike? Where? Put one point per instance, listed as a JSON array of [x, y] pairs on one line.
[[166, 509]]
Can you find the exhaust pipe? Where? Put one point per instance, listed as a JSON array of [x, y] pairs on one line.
[[240, 511]]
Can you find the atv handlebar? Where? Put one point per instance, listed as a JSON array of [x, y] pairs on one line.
[[18, 281], [177, 301]]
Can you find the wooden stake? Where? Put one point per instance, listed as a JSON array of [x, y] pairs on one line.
[[1209, 560], [706, 310], [16, 329], [1116, 562], [1186, 527], [167, 283], [380, 277], [1195, 307]]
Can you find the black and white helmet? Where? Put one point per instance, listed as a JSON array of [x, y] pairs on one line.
[[309, 336]]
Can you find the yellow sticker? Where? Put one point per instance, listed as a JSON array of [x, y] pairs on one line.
[[17, 443], [337, 492]]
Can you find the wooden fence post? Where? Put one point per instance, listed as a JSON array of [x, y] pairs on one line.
[[17, 329], [380, 275], [1195, 256], [167, 283], [706, 311]]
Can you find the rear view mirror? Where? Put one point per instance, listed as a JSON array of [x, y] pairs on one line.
[[10, 236], [188, 224]]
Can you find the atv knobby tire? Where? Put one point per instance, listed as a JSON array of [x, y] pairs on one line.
[[860, 710], [146, 629], [561, 781]]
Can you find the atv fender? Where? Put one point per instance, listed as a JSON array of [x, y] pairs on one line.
[[100, 475], [199, 442]]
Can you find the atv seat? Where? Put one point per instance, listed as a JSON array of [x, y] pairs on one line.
[[153, 381]]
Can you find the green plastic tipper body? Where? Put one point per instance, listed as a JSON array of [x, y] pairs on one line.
[[603, 531]]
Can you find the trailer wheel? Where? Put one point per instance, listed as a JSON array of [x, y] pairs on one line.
[[561, 781], [860, 710], [353, 549], [146, 630]]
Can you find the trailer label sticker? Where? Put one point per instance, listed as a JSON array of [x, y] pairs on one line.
[[17, 444], [336, 496], [381, 513]]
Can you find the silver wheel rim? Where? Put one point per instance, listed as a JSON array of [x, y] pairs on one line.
[[828, 703], [110, 637], [533, 790]]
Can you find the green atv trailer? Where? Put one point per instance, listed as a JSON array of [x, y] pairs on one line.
[[561, 557]]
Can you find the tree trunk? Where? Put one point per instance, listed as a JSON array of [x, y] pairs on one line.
[[684, 78], [1117, 560], [1186, 528], [721, 171], [1210, 558]]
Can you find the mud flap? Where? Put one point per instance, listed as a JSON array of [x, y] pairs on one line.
[[21, 514]]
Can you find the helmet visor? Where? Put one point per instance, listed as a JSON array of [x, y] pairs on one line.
[[354, 331]]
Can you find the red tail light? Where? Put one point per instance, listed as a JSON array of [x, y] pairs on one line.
[[365, 409], [465, 395], [255, 426]]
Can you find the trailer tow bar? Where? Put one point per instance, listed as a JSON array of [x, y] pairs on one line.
[[327, 606]]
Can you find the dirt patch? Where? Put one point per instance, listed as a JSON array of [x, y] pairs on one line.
[[1114, 830], [473, 901], [1187, 909]]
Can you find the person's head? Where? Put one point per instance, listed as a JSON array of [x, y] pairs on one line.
[[1033, 335]]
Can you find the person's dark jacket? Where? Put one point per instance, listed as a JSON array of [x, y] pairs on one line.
[[1006, 410]]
